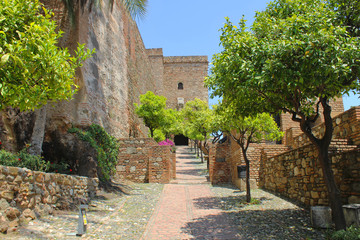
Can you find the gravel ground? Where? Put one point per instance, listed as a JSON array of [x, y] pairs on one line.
[[272, 218], [110, 216]]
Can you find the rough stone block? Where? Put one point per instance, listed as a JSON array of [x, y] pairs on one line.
[[320, 216], [352, 215]]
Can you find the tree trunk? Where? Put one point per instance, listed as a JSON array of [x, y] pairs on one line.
[[196, 148], [151, 132], [201, 154], [334, 193], [8, 131], [191, 148], [247, 162], [38, 133], [322, 146]]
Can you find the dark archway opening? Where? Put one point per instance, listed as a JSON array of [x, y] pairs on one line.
[[181, 140]]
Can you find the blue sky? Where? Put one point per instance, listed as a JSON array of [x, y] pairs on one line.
[[191, 27]]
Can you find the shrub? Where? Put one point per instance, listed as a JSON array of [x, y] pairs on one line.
[[352, 233], [166, 142], [24, 160], [106, 146]]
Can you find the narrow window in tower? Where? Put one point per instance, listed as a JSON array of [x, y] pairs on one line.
[[180, 86]]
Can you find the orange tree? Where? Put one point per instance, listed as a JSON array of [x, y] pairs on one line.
[[295, 59], [33, 69], [245, 130]]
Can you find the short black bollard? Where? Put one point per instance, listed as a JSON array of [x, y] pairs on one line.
[[82, 222]]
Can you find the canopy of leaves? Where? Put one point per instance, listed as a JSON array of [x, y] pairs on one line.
[[33, 70], [246, 129], [197, 119], [173, 123], [151, 110], [294, 56], [348, 14]]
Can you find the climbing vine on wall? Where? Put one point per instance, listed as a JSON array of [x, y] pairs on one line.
[[106, 146]]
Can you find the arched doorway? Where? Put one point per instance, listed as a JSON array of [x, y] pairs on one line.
[[181, 140]]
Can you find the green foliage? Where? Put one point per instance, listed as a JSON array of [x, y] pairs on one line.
[[348, 15], [152, 111], [293, 57], [352, 233], [33, 69], [246, 129], [23, 159], [136, 8], [172, 123], [159, 135], [197, 119], [61, 167], [106, 146]]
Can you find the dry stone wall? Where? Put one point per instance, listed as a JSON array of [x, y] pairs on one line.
[[28, 192], [27, 189], [297, 175], [346, 126]]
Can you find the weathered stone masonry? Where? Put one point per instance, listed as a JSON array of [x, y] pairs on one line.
[[292, 170], [297, 174], [142, 160], [30, 189]]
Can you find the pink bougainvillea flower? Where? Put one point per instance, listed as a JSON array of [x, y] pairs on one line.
[[166, 142]]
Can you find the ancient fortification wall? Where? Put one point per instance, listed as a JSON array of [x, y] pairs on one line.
[[188, 71], [112, 80]]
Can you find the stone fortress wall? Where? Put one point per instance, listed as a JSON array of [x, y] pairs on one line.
[[121, 69], [188, 71]]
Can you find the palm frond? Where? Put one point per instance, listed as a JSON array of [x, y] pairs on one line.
[[136, 8]]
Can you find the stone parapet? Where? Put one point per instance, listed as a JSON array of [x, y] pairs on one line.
[[186, 59]]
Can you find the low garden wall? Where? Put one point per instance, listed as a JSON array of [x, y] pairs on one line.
[[27, 189], [25, 193], [142, 160]]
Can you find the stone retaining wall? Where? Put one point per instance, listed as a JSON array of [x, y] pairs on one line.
[[346, 126], [142, 160], [27, 189], [297, 175]]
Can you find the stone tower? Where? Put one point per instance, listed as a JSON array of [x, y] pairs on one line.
[[179, 79]]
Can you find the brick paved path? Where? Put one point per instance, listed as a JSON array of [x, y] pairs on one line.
[[186, 209]]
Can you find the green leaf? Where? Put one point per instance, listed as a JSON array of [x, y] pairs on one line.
[[4, 59]]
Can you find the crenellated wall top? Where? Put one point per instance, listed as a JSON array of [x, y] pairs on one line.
[[186, 59]]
